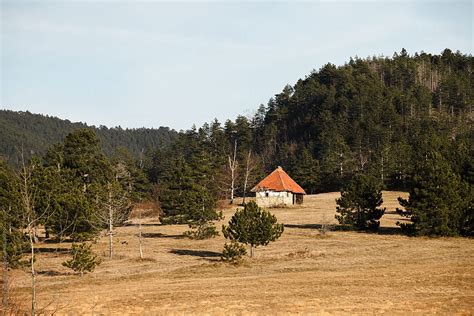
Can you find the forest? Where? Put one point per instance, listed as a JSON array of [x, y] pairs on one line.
[[35, 133], [405, 121]]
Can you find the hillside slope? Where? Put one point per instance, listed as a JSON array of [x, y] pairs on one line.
[[35, 133]]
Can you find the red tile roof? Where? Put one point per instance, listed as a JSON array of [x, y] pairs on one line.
[[279, 181]]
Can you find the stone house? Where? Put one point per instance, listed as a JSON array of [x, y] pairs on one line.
[[278, 188]]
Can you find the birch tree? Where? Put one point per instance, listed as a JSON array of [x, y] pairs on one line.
[[233, 172], [250, 165], [115, 206], [28, 199]]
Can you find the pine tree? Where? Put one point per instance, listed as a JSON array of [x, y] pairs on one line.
[[12, 241], [359, 203], [253, 226], [83, 259], [233, 252], [306, 171], [73, 175], [435, 204], [189, 196]]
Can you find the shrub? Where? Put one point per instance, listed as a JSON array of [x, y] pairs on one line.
[[359, 203], [253, 226], [204, 231], [233, 252], [83, 259]]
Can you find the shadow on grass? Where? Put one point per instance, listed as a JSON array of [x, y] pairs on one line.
[[196, 253], [55, 240], [335, 227], [143, 224], [389, 231], [304, 226], [52, 250], [160, 235], [52, 273]]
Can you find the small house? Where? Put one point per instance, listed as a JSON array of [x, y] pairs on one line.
[[278, 188]]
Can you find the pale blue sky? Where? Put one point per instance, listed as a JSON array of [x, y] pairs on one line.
[[152, 63]]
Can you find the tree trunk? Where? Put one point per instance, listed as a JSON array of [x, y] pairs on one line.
[[340, 166], [111, 241], [5, 274], [111, 224], [251, 251], [382, 168], [247, 170], [140, 232], [232, 172], [33, 273]]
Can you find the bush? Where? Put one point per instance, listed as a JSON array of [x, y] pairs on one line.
[[204, 231], [83, 259], [359, 203], [233, 252], [253, 226]]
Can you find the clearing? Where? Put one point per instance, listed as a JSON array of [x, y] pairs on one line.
[[303, 272]]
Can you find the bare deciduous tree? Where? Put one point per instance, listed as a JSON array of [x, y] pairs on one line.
[[140, 232], [114, 210], [28, 196], [5, 271], [233, 172], [249, 167]]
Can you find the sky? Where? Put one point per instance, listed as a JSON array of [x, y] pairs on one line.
[[154, 63]]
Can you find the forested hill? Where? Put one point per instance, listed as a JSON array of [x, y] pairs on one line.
[[381, 116], [35, 133]]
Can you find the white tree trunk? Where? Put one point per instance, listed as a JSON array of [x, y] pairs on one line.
[[382, 167], [5, 273], [232, 167], [247, 171], [140, 233], [33, 272], [111, 241]]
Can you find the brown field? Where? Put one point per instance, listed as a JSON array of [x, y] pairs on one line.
[[303, 272]]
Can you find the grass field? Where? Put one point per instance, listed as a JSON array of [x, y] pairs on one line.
[[303, 272]]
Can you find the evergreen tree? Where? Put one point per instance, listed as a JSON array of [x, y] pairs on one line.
[[131, 177], [306, 171], [233, 252], [12, 241], [253, 226], [188, 197], [82, 154], [83, 259], [74, 174], [435, 204], [359, 203]]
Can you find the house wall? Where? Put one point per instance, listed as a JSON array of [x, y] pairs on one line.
[[273, 198]]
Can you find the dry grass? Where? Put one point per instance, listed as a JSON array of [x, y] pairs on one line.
[[303, 272]]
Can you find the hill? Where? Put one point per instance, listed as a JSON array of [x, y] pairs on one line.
[[378, 115], [35, 133]]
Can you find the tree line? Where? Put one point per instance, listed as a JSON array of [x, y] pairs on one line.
[[379, 116], [35, 133], [377, 123]]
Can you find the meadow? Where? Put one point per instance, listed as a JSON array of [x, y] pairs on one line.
[[311, 269]]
